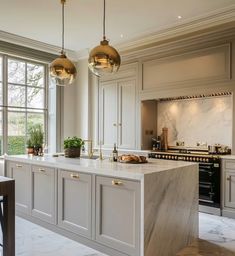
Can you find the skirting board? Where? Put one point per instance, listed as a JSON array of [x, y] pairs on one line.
[[210, 210], [228, 213]]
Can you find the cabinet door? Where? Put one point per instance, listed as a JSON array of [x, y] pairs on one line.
[[126, 114], [108, 114], [230, 189], [74, 202], [118, 214], [21, 173], [44, 193]]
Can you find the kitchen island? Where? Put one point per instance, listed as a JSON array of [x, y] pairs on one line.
[[120, 209]]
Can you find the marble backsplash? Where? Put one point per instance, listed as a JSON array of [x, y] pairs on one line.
[[197, 120]]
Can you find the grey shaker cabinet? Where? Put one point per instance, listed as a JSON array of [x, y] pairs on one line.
[[74, 202], [118, 214], [21, 173], [44, 193], [230, 189]]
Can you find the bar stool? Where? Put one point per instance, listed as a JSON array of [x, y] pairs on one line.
[[1, 214]]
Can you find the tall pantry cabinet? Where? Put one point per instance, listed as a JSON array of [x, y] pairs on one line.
[[117, 110]]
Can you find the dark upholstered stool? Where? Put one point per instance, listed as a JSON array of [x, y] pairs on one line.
[[1, 214]]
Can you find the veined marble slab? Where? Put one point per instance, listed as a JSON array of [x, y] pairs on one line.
[[105, 167], [171, 211]]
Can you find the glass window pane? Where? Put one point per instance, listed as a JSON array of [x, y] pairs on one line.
[[16, 71], [16, 95], [35, 118], [16, 133], [0, 68], [35, 75], [1, 93], [35, 97]]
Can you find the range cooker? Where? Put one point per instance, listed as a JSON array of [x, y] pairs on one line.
[[209, 176]]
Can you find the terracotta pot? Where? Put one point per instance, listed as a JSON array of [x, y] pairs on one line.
[[30, 150], [72, 152]]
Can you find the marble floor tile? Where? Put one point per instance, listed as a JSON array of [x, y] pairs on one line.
[[33, 240], [217, 237]]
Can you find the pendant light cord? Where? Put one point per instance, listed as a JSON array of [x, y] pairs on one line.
[[104, 37], [63, 2]]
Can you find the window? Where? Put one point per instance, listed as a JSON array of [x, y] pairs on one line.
[[23, 101]]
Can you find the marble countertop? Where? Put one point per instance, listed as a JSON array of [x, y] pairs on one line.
[[104, 167]]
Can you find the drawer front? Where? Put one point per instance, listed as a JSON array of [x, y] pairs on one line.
[[229, 164], [118, 214], [44, 193], [74, 202], [21, 173]]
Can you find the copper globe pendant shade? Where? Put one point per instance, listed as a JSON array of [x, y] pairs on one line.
[[104, 58], [62, 69]]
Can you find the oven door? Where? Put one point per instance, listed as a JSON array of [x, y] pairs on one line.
[[206, 173], [206, 193], [209, 184]]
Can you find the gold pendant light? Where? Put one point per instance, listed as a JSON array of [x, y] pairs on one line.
[[62, 69], [104, 58]]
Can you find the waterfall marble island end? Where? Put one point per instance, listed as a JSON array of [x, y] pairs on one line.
[[120, 209]]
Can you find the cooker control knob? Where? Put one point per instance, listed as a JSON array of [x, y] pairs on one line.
[[169, 157], [159, 156], [194, 158], [190, 159], [197, 159], [207, 160], [163, 156], [186, 158], [204, 160], [200, 159]]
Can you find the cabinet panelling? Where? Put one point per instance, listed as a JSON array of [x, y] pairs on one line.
[[127, 114], [118, 214], [230, 189], [118, 113], [108, 114], [211, 64], [125, 71], [21, 173], [74, 202], [44, 193]]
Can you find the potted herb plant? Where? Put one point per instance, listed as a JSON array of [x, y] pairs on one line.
[[30, 149], [72, 147], [36, 138]]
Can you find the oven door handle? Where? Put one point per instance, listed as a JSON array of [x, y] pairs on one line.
[[209, 173]]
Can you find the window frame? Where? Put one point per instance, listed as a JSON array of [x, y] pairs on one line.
[[24, 109]]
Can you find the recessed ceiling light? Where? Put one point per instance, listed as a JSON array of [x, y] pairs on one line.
[[179, 17], [121, 35]]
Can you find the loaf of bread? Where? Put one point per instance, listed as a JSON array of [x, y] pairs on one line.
[[132, 158]]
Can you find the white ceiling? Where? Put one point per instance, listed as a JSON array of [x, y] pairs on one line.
[[41, 20]]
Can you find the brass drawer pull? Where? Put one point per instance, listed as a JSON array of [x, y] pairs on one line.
[[116, 183], [19, 166], [74, 176], [41, 170]]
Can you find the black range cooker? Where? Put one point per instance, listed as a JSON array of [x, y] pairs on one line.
[[209, 174]]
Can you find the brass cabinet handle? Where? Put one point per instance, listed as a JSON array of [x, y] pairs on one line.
[[114, 124], [41, 170], [19, 166], [116, 182], [74, 176]]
